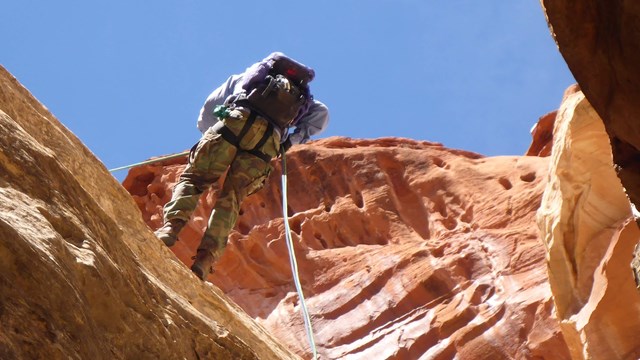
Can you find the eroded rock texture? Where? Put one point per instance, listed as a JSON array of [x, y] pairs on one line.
[[407, 250], [542, 131], [599, 39], [81, 275], [586, 223]]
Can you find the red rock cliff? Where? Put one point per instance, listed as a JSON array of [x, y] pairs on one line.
[[406, 250]]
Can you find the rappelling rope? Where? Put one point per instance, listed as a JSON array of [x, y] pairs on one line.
[[289, 241], [292, 259], [151, 161]]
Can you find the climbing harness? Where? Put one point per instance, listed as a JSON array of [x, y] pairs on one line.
[[292, 259], [152, 161], [221, 128]]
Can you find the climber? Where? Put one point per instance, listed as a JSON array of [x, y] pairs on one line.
[[245, 123]]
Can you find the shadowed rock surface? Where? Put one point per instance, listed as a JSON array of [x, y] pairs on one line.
[[599, 41], [407, 250], [81, 275]]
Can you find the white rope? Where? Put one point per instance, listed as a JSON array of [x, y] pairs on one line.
[[294, 264], [289, 241], [151, 161]]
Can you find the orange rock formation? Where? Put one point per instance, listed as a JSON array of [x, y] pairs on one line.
[[407, 250], [599, 41], [587, 225], [542, 136], [587, 220]]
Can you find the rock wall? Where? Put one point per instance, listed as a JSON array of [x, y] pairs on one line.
[[542, 131], [81, 275], [542, 136], [588, 228], [407, 250], [599, 41]]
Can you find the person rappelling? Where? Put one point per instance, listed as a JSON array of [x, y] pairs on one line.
[[250, 119]]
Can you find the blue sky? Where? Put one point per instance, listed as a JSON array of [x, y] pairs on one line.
[[129, 77]]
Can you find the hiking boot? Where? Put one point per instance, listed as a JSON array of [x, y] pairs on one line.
[[168, 233], [203, 264]]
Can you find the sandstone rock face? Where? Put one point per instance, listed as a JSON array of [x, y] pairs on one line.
[[542, 136], [586, 222], [542, 132], [406, 249], [599, 41], [81, 275]]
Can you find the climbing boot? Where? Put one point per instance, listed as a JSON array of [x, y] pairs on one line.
[[168, 233], [203, 264]]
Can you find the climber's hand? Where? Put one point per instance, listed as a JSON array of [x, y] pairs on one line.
[[286, 145]]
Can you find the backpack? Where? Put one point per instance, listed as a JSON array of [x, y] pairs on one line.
[[277, 89]]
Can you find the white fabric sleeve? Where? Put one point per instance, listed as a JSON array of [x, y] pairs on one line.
[[313, 123], [217, 97]]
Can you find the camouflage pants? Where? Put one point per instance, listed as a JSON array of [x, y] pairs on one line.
[[208, 161]]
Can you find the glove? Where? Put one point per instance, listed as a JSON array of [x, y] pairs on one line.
[[286, 145]]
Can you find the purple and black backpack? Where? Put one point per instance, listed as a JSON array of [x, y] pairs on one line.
[[277, 88]]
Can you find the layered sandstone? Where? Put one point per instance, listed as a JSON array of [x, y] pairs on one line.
[[406, 249], [599, 41], [588, 228], [542, 131], [81, 275]]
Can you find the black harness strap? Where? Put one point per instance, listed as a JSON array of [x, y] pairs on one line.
[[256, 149], [247, 125], [267, 134], [226, 134], [231, 138], [266, 158]]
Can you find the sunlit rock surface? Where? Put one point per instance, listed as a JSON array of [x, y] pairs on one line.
[[599, 41], [406, 249], [542, 136], [542, 131], [586, 222], [81, 275]]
